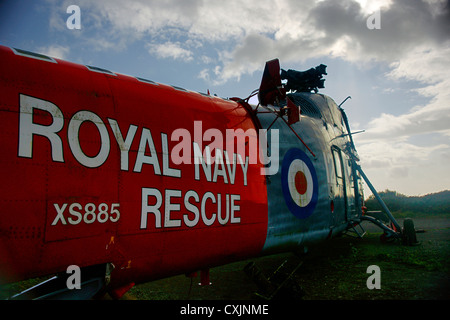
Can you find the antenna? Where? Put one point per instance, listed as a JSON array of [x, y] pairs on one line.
[[339, 106]]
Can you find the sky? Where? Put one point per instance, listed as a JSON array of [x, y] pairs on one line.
[[392, 57]]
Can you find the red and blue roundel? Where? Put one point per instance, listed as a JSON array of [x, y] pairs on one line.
[[299, 183]]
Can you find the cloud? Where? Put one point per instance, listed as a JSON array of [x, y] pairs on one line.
[[427, 66], [55, 51], [405, 167], [410, 152], [204, 74], [396, 153], [294, 31], [404, 24], [206, 20], [171, 50], [339, 29], [230, 39], [144, 16]]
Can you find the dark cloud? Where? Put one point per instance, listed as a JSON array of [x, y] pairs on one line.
[[404, 25], [337, 18]]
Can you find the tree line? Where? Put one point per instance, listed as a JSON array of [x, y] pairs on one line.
[[400, 204]]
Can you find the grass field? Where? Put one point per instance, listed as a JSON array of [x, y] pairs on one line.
[[334, 270]]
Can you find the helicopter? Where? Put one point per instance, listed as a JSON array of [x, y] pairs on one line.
[[132, 180]]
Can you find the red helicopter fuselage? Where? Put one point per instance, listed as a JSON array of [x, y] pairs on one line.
[[100, 168]]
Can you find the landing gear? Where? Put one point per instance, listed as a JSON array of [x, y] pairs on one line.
[[394, 231], [279, 285]]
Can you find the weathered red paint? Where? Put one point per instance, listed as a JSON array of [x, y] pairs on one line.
[[34, 242]]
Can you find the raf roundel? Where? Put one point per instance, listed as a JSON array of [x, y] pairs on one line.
[[299, 183]]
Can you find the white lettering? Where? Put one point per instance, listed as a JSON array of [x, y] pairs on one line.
[[74, 142], [115, 210], [191, 208], [146, 209], [123, 145], [200, 207], [219, 162], [207, 311], [234, 208], [244, 167], [102, 215], [210, 221], [146, 139], [75, 213], [91, 213], [231, 173], [169, 207], [225, 161], [242, 309], [167, 171], [27, 129], [59, 214], [223, 221], [198, 158]]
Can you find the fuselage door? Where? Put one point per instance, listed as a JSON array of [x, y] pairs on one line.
[[340, 193], [350, 188]]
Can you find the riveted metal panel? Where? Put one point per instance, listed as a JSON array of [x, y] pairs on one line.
[[285, 229]]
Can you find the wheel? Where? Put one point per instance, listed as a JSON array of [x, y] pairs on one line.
[[409, 232]]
